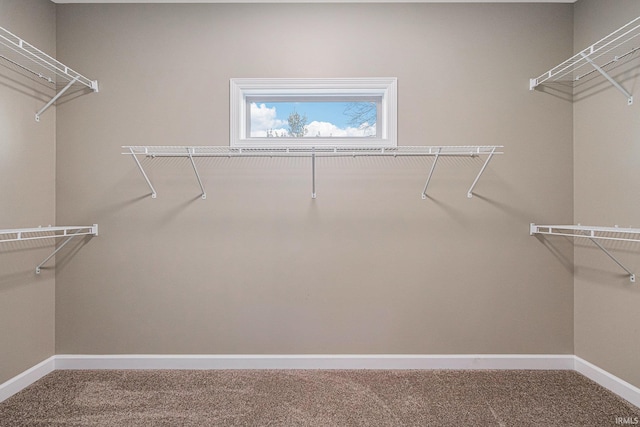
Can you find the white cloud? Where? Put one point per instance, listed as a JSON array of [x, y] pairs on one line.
[[264, 119], [325, 129]]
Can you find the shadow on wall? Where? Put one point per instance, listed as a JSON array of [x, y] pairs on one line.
[[609, 255], [560, 251], [26, 88], [13, 256], [68, 253]]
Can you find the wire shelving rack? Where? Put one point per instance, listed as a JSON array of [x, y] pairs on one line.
[[24, 57], [599, 58], [50, 232], [312, 153]]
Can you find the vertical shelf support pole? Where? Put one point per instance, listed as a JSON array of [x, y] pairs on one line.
[[153, 190], [191, 151], [433, 167], [608, 77], [55, 98], [470, 192], [313, 173], [632, 276]]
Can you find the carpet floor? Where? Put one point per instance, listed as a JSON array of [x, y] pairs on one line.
[[315, 398]]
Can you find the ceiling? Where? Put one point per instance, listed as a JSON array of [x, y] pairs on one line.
[[314, 1]]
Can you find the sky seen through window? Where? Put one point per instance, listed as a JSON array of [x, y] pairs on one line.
[[324, 119]]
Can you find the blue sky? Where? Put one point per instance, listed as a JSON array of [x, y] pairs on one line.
[[326, 119], [331, 112]]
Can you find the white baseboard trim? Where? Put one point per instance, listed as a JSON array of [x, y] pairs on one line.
[[26, 378], [320, 361], [609, 381]]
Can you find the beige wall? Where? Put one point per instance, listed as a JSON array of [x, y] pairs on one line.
[[27, 192], [607, 185], [368, 267]]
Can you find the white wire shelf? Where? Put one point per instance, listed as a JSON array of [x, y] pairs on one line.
[[312, 153], [620, 45], [594, 234], [39, 233], [17, 53], [323, 151]]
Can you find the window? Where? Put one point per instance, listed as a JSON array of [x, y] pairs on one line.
[[313, 112]]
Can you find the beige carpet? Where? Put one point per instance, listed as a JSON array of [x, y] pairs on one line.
[[315, 398]]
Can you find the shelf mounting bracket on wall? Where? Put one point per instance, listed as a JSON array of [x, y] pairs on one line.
[[596, 58], [144, 174], [609, 78], [55, 98], [190, 151], [594, 234], [39, 233], [484, 166], [313, 153], [28, 58], [433, 167]]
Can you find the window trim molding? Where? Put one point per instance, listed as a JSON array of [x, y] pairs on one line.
[[383, 87]]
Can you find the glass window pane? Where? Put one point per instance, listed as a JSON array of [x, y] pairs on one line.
[[327, 119]]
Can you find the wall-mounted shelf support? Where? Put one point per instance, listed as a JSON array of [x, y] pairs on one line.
[[204, 193], [632, 276], [144, 174], [311, 152], [596, 58], [433, 167], [594, 234], [39, 233], [31, 59], [608, 77], [55, 98], [484, 166]]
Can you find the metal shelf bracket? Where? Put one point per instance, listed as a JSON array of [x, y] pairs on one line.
[[190, 151], [433, 167], [594, 234], [484, 166], [55, 98], [144, 174], [609, 78], [632, 276], [39, 233], [313, 153]]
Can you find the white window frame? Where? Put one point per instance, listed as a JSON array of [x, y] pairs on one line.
[[242, 90]]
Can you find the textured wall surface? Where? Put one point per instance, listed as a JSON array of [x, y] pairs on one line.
[[607, 185], [368, 267], [27, 194]]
